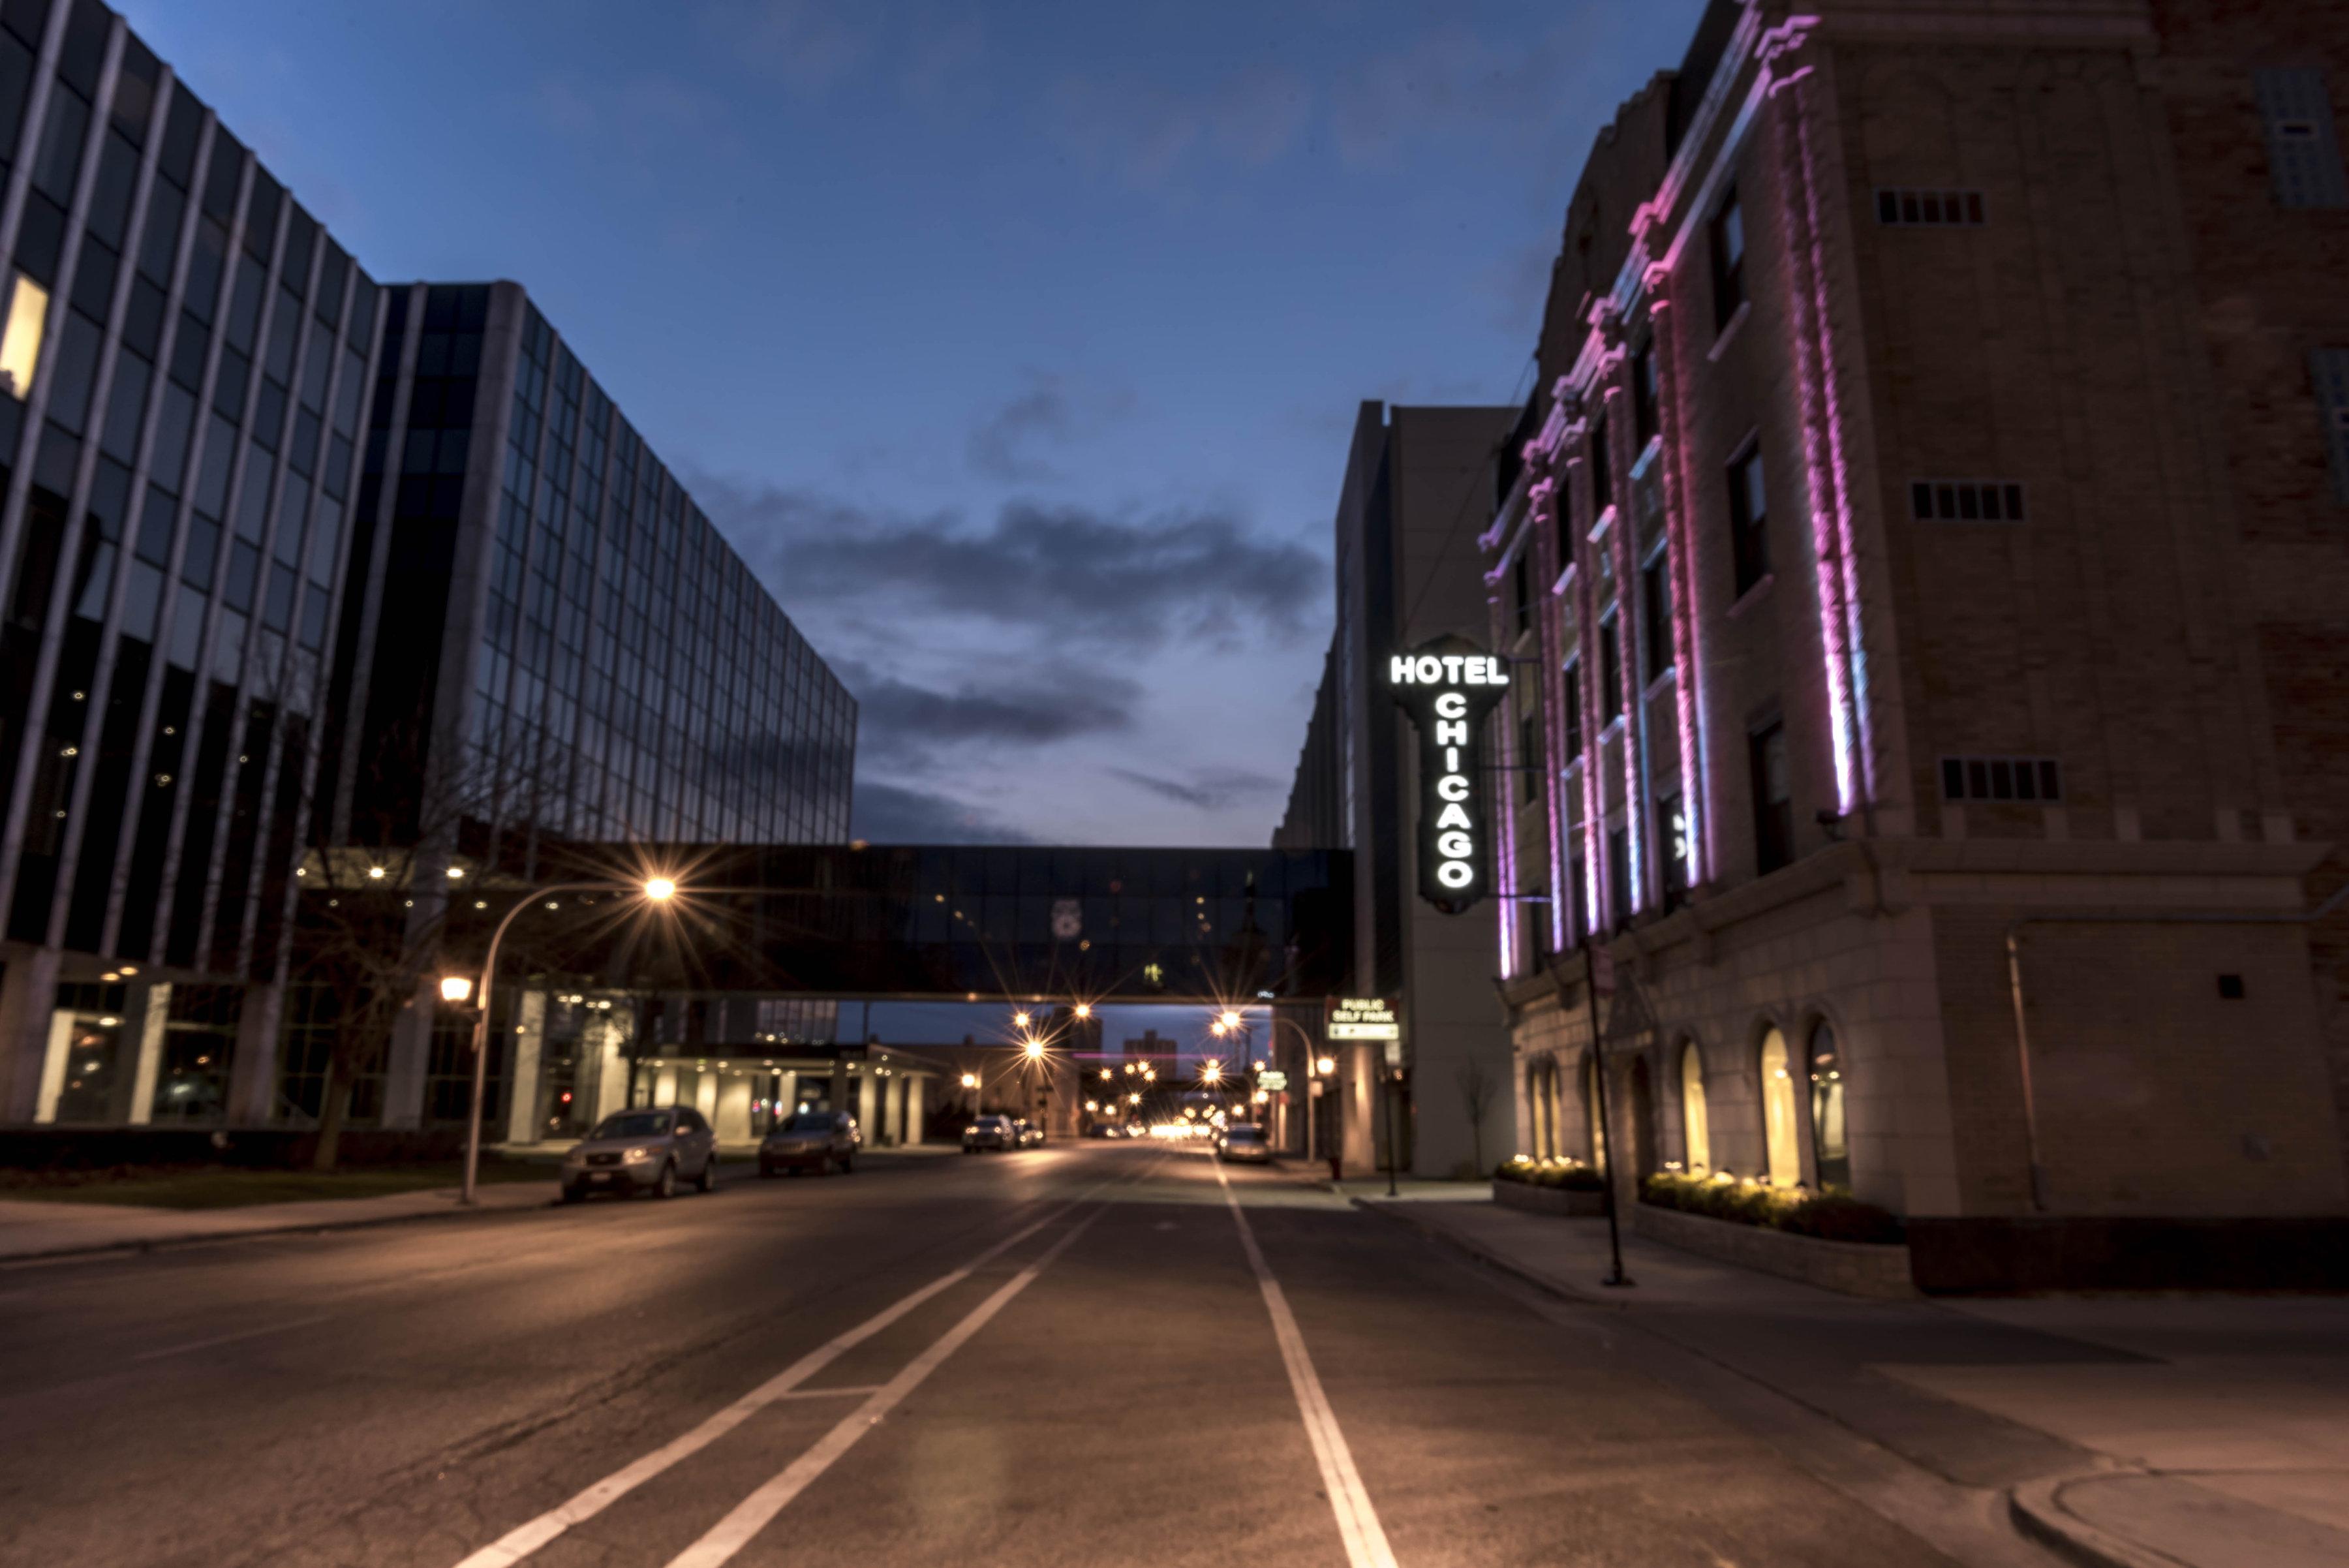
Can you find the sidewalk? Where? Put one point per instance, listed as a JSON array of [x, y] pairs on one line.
[[2210, 1431], [38, 1229]]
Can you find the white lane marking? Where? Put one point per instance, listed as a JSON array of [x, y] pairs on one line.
[[524, 1540], [1358, 1522], [229, 1338], [753, 1513]]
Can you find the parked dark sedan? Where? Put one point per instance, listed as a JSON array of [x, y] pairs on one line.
[[811, 1140]]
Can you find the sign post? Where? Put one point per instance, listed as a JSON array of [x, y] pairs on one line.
[[1599, 975]]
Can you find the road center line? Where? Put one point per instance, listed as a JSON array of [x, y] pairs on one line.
[[1358, 1522], [524, 1540], [753, 1513]]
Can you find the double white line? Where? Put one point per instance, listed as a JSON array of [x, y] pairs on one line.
[[524, 1540]]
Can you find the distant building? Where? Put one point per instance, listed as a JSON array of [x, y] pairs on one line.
[[1416, 480], [1930, 542]]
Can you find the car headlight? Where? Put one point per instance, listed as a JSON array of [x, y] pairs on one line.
[[638, 1155]]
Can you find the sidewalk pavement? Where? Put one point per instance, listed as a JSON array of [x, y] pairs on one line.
[[2206, 1430], [47, 1229]]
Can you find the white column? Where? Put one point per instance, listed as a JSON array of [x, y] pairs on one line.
[[142, 1022], [59, 1054], [733, 1118], [917, 1113], [665, 1086], [705, 1094], [869, 1109], [790, 1093], [609, 1073], [28, 996], [411, 1057], [252, 1070], [529, 1060]]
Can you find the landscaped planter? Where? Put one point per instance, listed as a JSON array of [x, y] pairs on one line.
[[1854, 1268], [1548, 1200]]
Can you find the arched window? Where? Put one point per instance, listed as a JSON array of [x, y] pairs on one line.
[[1554, 1094], [1778, 1138], [1830, 1144], [1694, 1123], [1538, 1106], [1590, 1092]]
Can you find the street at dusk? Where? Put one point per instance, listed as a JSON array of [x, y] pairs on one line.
[[1553, 783]]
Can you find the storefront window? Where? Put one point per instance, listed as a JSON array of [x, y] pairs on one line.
[[1778, 1113], [1697, 1125], [1830, 1144]]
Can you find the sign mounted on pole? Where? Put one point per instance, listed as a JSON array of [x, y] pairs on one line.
[[1362, 1018], [1448, 687]]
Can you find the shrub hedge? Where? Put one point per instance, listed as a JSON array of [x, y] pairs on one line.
[[1564, 1174], [1830, 1216]]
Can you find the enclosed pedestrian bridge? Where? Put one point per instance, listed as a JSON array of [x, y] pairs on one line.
[[931, 922]]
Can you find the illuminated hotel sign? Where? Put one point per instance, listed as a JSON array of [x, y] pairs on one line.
[[1447, 687], [1363, 1018]]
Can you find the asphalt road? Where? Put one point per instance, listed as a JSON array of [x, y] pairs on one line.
[[1065, 1357]]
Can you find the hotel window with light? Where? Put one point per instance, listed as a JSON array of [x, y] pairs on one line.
[[20, 339]]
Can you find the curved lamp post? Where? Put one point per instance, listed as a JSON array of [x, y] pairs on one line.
[[456, 988]]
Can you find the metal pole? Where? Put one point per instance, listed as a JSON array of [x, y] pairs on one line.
[[1606, 1138], [1387, 1073]]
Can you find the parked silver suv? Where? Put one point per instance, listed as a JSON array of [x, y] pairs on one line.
[[648, 1150]]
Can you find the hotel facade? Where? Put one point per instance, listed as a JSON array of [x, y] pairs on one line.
[[1928, 575]]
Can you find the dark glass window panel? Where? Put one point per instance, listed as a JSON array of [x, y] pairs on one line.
[[41, 236], [1646, 410], [1945, 502], [315, 604], [2002, 779], [182, 128], [1774, 819], [2014, 503], [284, 322], [55, 462], [133, 109], [77, 370], [1602, 467], [231, 384], [1953, 779], [418, 457], [155, 529], [1921, 500], [432, 355], [1573, 712], [292, 501], [317, 363], [126, 405], [1989, 503], [82, 56], [326, 538], [142, 595], [1932, 204], [226, 169], [269, 414], [110, 498], [1611, 668], [2026, 781], [253, 500], [17, 67], [218, 463], [188, 346], [1728, 235], [331, 277], [244, 304], [454, 447], [304, 453], [1656, 615], [243, 573], [93, 289], [59, 162], [360, 330], [203, 554], [207, 261], [158, 241], [301, 240], [1749, 529], [1887, 207], [142, 319], [1977, 779], [1969, 506], [261, 215], [278, 615], [1911, 210], [2048, 782], [339, 466], [27, 19], [175, 422], [110, 198]]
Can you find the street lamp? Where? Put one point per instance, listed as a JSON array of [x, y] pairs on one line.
[[1084, 1010], [456, 989], [658, 889], [1034, 1048]]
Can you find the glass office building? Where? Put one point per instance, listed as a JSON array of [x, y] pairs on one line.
[[257, 510]]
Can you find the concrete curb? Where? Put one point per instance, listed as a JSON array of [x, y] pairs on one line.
[[1477, 1254], [2037, 1510], [196, 1238]]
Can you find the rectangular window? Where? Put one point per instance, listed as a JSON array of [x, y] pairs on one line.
[[1774, 805], [2304, 151], [1522, 587], [1577, 872], [2037, 780], [1728, 260], [1573, 711], [1610, 667], [1748, 521], [20, 342], [2328, 370], [1655, 617], [1646, 415], [1623, 898], [1671, 831], [1965, 501], [1602, 469], [1529, 757], [1916, 209]]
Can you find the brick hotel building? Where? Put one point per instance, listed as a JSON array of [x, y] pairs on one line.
[[1932, 543], [261, 512]]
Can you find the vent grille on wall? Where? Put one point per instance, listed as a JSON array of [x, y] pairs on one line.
[[1965, 501], [1906, 208], [2001, 778]]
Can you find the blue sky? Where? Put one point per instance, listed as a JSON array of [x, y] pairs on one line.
[[1015, 345]]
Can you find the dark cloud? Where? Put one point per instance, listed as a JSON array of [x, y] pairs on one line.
[[1137, 583], [893, 813], [1211, 791], [896, 715], [1002, 446]]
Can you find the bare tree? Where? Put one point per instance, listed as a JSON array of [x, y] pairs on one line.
[[1477, 1091]]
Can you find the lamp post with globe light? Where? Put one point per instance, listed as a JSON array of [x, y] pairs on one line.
[[456, 989]]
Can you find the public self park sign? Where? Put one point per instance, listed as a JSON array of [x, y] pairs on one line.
[[1448, 688]]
